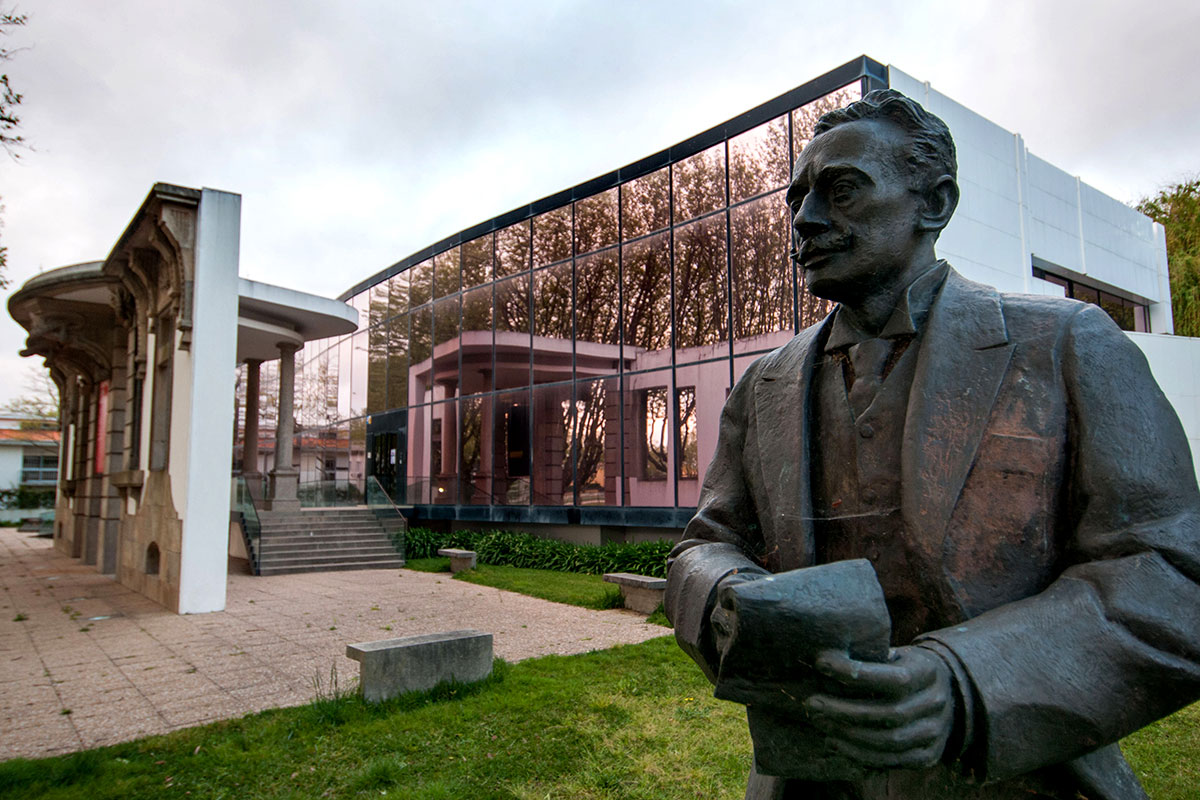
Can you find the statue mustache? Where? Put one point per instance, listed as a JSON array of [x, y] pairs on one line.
[[821, 245]]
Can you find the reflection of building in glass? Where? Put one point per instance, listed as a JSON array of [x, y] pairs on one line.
[[567, 362]]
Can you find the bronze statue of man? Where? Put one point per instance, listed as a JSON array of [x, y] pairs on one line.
[[1008, 466]]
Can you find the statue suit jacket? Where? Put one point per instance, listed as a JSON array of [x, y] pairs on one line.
[[1048, 484]]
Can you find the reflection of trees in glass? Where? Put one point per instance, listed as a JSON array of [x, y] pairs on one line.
[[685, 428], [806, 116], [586, 434], [471, 410], [512, 249], [446, 279], [378, 305], [552, 302], [477, 309], [699, 183], [700, 301], [420, 283], [398, 293], [377, 358], [654, 432], [761, 270], [477, 261], [421, 336], [512, 304], [647, 270], [397, 370], [645, 204], [596, 222], [759, 160], [596, 295], [446, 319], [552, 236]]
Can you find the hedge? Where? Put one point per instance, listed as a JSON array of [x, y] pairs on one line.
[[515, 549]]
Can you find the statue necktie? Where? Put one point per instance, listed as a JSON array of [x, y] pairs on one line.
[[869, 359]]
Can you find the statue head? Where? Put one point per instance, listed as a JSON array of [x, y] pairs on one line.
[[870, 194]]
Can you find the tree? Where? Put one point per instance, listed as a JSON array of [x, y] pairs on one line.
[[39, 400], [1177, 207], [9, 121]]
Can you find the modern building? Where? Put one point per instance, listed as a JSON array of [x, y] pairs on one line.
[[560, 368], [28, 466], [565, 364]]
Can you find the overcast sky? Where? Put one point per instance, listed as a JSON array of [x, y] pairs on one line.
[[359, 132]]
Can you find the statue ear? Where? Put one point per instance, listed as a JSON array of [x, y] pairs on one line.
[[941, 199]]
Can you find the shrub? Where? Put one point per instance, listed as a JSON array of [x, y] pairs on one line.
[[27, 497], [516, 549]]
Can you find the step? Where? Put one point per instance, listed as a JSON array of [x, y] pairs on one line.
[[318, 563], [374, 537], [331, 567], [273, 556]]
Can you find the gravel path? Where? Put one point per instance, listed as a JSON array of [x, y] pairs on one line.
[[86, 662]]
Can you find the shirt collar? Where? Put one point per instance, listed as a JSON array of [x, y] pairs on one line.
[[907, 318]]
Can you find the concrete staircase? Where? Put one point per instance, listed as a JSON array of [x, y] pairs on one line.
[[324, 539]]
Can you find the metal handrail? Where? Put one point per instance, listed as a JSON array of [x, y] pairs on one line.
[[243, 505], [387, 512]]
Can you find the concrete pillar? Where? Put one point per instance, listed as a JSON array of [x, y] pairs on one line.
[[284, 477], [448, 490], [250, 439]]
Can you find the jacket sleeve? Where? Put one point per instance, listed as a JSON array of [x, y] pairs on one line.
[[722, 538], [1114, 642]]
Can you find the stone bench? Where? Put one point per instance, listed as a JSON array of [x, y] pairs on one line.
[[459, 559], [392, 667], [640, 592]]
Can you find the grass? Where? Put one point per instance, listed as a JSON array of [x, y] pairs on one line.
[[633, 722], [572, 588]]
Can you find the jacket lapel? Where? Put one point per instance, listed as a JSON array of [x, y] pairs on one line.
[[964, 355], [783, 408]]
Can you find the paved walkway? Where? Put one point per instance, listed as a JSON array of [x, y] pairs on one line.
[[86, 662]]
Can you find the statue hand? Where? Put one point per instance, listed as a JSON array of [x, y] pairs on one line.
[[894, 714]]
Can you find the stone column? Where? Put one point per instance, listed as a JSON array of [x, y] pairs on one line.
[[284, 478], [250, 436]]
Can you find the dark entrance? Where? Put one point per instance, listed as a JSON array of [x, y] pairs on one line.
[[387, 450]]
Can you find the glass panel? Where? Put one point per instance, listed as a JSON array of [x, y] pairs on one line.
[[595, 437], [345, 354], [420, 285], [700, 396], [443, 452], [647, 290], [476, 348], [475, 464], [553, 417], [398, 293], [512, 332], [762, 272], [362, 304], [648, 456], [421, 338], [477, 261], [446, 323], [418, 481], [701, 307], [597, 286], [358, 457], [378, 307], [397, 369], [645, 204], [699, 183], [512, 249], [446, 278], [806, 116], [759, 160], [552, 324], [377, 359], [511, 461], [1119, 309], [596, 222], [552, 236], [358, 376]]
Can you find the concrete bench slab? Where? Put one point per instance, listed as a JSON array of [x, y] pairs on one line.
[[459, 559], [642, 593], [392, 667]]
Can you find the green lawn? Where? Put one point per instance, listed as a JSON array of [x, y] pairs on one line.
[[573, 588], [633, 722]]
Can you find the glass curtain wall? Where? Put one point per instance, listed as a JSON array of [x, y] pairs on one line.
[[580, 357]]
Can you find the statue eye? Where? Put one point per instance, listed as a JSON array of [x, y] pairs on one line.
[[842, 192]]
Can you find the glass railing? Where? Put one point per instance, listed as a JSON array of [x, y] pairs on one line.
[[243, 505], [387, 512], [330, 493]]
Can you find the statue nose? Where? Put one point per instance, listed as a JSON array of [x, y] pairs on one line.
[[810, 219]]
